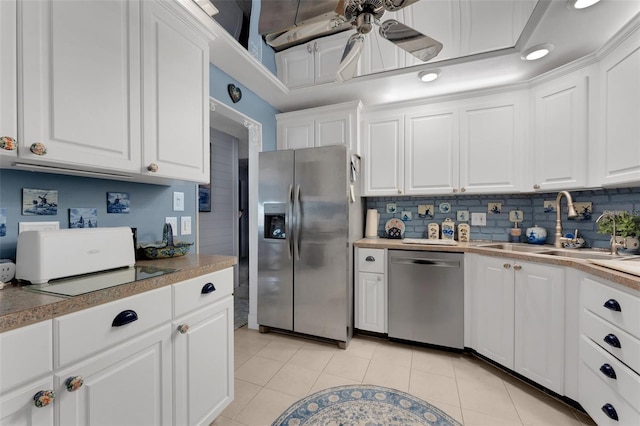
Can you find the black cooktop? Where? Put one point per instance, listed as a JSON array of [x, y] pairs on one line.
[[82, 284]]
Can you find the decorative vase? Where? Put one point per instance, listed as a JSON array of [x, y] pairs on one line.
[[536, 235]]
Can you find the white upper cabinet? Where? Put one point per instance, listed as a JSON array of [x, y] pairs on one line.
[[81, 83], [619, 149], [312, 63], [8, 78], [323, 126], [175, 94], [383, 154], [493, 133], [431, 151], [560, 130]]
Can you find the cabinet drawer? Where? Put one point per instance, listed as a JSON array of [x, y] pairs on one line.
[[616, 375], [596, 297], [25, 353], [371, 260], [86, 332], [598, 330], [196, 292], [594, 395]]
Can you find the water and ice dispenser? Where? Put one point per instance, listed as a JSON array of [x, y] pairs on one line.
[[275, 221]]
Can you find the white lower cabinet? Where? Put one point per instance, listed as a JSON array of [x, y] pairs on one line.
[[159, 358], [126, 385], [203, 348], [518, 317], [371, 290], [609, 352], [17, 407], [26, 366]]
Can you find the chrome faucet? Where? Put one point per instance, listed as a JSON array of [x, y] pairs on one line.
[[613, 244], [571, 213]]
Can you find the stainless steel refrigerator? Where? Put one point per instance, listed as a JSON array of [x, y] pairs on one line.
[[310, 213]]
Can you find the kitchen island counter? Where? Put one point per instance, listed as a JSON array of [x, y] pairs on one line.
[[20, 307], [628, 280]]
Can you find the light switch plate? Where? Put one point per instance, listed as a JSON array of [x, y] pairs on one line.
[[174, 224], [185, 225], [178, 202], [479, 219]]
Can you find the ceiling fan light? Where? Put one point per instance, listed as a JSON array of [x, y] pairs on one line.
[[582, 4], [428, 75], [537, 52]]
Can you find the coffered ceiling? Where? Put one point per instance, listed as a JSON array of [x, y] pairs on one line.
[[479, 53]]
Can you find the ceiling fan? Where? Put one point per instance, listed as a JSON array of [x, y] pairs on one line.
[[363, 15]]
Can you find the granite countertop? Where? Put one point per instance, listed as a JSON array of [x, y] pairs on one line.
[[20, 307], [627, 280]]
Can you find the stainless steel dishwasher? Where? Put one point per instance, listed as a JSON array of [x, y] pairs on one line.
[[426, 297]]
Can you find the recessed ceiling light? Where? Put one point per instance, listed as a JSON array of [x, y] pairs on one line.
[[537, 52], [428, 75], [582, 4]]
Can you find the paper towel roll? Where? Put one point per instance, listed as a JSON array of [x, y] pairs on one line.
[[371, 227]]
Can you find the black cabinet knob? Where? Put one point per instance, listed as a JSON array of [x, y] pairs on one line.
[[608, 371], [610, 411], [370, 259], [124, 318], [613, 305], [208, 288], [612, 340]]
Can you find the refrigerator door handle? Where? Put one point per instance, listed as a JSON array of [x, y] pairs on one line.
[[289, 223], [298, 222]]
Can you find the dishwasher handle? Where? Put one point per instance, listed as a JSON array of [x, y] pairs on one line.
[[442, 263]]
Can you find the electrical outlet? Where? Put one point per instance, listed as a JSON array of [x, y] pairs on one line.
[[7, 270], [178, 202], [174, 224], [479, 219], [185, 225]]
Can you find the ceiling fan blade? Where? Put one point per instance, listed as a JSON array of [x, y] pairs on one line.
[[419, 45], [393, 5], [350, 56]]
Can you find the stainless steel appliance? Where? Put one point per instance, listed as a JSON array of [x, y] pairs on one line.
[[426, 297], [309, 216]]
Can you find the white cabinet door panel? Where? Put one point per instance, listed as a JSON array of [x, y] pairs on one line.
[[333, 129], [539, 324], [328, 53], [296, 66], [371, 302], [431, 153], [8, 74], [176, 96], [491, 144], [296, 134], [82, 102], [620, 80], [383, 153], [18, 409], [560, 134]]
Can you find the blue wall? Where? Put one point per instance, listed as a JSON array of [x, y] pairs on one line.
[[498, 225], [250, 105], [150, 204]]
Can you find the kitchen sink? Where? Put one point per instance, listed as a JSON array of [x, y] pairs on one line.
[[525, 248], [580, 254]]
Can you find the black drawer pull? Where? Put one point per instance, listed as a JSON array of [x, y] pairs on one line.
[[610, 411], [208, 288], [124, 318], [370, 259], [612, 340], [608, 371], [613, 305]]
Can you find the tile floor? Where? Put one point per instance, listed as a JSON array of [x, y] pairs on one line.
[[272, 371]]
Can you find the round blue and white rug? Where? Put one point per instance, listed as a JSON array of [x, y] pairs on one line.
[[362, 405]]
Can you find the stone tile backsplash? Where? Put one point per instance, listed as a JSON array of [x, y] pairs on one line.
[[498, 225]]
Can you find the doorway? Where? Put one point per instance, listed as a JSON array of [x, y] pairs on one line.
[[228, 229]]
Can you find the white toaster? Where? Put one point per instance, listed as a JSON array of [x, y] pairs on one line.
[[45, 255]]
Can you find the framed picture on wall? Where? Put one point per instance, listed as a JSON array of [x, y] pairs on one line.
[[204, 198]]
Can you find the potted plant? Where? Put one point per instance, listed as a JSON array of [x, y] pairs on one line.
[[627, 229]]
